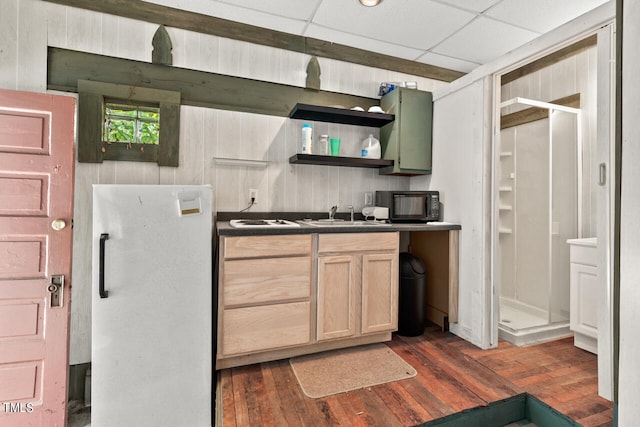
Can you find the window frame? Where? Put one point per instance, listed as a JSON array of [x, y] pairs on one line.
[[92, 97]]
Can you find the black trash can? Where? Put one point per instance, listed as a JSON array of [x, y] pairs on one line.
[[411, 299]]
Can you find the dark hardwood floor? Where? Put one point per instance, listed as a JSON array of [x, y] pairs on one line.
[[453, 375]]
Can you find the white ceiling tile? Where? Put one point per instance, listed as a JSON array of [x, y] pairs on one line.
[[484, 40], [412, 23], [474, 5], [334, 36], [272, 22], [541, 15], [297, 9], [447, 62]]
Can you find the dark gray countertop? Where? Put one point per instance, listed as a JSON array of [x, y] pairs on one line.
[[223, 228]]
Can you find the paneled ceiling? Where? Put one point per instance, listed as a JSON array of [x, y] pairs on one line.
[[454, 34]]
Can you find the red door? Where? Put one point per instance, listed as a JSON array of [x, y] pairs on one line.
[[36, 203]]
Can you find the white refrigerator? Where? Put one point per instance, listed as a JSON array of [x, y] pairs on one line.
[[151, 306]]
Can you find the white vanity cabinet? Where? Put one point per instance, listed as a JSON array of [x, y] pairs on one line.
[[584, 293]]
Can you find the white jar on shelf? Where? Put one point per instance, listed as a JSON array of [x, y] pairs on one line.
[[307, 138], [322, 146]]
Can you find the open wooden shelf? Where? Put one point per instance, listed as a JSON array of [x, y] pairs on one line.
[[316, 159], [340, 115]]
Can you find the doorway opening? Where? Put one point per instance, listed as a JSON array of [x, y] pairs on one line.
[[590, 72]]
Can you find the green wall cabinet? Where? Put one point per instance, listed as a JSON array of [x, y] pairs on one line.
[[407, 140]]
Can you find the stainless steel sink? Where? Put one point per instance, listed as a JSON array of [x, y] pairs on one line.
[[341, 223]]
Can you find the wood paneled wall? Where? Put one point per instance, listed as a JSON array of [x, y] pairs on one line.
[[27, 27]]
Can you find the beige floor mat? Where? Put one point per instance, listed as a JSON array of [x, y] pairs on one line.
[[337, 371]]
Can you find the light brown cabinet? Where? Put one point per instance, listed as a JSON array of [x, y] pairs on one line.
[[357, 285], [284, 295], [264, 294]]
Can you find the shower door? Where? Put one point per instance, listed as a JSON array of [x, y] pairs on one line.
[[565, 214], [538, 208]]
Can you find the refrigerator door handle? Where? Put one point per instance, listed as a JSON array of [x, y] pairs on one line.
[[103, 294]]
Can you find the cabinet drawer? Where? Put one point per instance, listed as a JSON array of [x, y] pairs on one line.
[[587, 255], [265, 327], [263, 280], [266, 246], [358, 242]]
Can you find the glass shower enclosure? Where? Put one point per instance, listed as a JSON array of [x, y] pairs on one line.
[[538, 207]]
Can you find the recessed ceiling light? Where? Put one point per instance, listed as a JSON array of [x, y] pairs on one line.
[[370, 2]]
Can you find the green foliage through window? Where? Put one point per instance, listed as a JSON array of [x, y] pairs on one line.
[[131, 124]]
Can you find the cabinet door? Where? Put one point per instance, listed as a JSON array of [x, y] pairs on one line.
[[415, 130], [338, 286], [379, 292], [408, 139], [584, 299]]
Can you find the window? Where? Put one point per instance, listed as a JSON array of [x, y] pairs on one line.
[[131, 123], [127, 123]]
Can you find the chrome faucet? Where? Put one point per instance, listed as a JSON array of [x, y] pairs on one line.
[[332, 211], [350, 207]]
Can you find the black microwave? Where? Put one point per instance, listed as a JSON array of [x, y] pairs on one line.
[[410, 206]]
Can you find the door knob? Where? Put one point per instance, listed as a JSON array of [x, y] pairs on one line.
[[58, 224]]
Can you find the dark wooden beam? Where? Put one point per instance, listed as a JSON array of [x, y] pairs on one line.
[[354, 55], [177, 18], [534, 113], [197, 88], [550, 59]]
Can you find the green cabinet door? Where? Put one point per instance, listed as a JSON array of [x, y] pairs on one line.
[[407, 140]]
